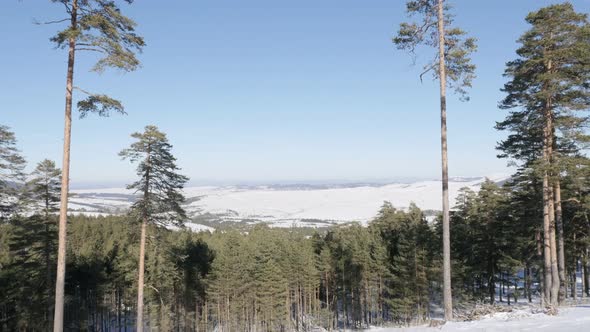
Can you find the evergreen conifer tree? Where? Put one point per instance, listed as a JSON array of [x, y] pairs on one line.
[[159, 186], [99, 27], [44, 188], [452, 66], [12, 166], [548, 87]]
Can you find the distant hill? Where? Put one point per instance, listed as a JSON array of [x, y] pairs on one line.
[[299, 205]]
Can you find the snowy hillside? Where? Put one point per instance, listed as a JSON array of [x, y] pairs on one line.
[[285, 206]]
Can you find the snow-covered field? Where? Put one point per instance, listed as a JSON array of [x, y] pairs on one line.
[[286, 206], [573, 319]]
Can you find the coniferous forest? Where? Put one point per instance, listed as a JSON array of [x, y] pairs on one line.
[[526, 239]]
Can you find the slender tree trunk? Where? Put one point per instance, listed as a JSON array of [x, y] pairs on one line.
[[586, 290], [48, 282], [502, 287], [560, 240], [139, 323], [206, 314], [58, 317], [555, 283], [551, 271], [447, 295], [144, 222], [546, 218], [584, 272], [574, 288], [48, 271], [118, 294], [491, 283]]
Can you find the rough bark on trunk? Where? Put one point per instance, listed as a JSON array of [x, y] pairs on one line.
[[546, 236], [548, 212], [447, 294], [65, 180], [555, 284], [560, 240]]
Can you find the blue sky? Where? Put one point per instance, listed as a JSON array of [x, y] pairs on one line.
[[264, 91]]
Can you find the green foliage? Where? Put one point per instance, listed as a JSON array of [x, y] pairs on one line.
[[458, 48], [271, 279], [99, 27], [551, 74], [264, 279], [99, 104], [159, 184], [11, 173], [481, 241], [45, 186], [409, 241]]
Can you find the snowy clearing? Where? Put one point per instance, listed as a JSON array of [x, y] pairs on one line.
[[572, 319]]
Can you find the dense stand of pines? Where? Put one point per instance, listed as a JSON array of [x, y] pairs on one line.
[[266, 279], [548, 95], [526, 238]]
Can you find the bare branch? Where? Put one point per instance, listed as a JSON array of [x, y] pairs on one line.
[[83, 91], [90, 49], [68, 8], [427, 70], [50, 22]]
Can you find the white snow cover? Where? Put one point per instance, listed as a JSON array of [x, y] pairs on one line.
[[336, 204], [194, 227], [287, 207], [575, 319]]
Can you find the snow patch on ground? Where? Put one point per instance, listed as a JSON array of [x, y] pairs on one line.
[[573, 319], [197, 228]]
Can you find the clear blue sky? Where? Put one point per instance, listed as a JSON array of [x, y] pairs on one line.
[[264, 90]]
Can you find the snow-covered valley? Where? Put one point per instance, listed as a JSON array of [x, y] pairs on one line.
[[284, 205]]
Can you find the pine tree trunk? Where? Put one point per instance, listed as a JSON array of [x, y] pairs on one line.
[[586, 290], [144, 222], [560, 240], [501, 288], [139, 323], [555, 284], [48, 272], [584, 272], [447, 295], [574, 288], [548, 198], [546, 220], [491, 283], [58, 318], [47, 254]]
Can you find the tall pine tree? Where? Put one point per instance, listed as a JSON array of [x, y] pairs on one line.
[[99, 27], [450, 65], [45, 187], [160, 188]]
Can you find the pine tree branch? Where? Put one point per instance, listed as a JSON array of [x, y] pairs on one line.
[[51, 22]]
